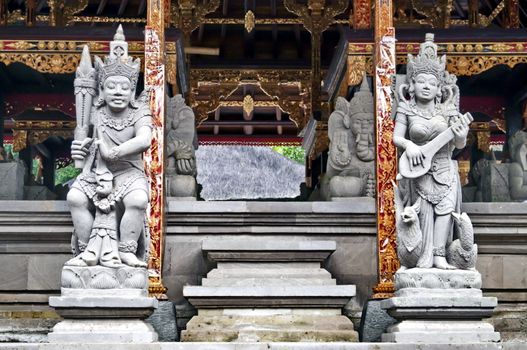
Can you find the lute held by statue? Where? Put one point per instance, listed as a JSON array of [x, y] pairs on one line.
[[407, 170]]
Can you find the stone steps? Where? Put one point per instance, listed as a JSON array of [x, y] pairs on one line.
[[269, 291], [259, 281], [272, 335]]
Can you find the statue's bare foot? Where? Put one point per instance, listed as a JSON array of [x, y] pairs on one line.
[[90, 258], [112, 263], [131, 260], [76, 261], [441, 263]]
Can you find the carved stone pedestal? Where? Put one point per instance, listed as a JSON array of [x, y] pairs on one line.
[[102, 305], [439, 306], [269, 291]]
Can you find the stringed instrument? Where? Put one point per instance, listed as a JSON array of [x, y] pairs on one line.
[[407, 170]]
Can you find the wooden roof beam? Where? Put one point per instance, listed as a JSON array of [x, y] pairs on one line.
[[122, 7], [102, 6], [142, 7], [248, 38], [224, 11], [275, 30]]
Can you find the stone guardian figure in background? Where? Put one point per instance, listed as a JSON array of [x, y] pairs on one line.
[[438, 297], [518, 167], [181, 137], [350, 169]]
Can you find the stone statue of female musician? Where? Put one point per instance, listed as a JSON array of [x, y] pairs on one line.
[[428, 127], [109, 198]]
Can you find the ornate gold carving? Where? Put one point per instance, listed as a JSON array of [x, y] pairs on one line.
[[63, 56], [249, 21], [464, 59], [386, 155], [362, 14], [248, 104], [187, 15], [33, 132], [19, 140], [464, 170], [356, 69], [321, 140], [101, 19], [276, 84], [472, 65], [154, 158], [438, 14], [62, 11]]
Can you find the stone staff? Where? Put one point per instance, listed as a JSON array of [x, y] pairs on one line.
[[85, 83]]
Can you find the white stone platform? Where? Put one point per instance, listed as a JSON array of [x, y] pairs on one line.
[[449, 310], [102, 316], [263, 346], [269, 291]]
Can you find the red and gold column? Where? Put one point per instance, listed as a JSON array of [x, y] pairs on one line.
[[154, 158], [386, 161]]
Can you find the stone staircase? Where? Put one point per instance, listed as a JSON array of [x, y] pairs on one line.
[[269, 291]]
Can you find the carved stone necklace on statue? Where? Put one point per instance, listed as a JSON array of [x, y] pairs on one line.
[[117, 123]]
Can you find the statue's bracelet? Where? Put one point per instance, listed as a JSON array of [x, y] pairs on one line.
[[114, 154]]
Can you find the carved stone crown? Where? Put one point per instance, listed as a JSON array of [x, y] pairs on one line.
[[426, 61], [362, 101], [118, 63]]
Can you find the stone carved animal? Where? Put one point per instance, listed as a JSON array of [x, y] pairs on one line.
[[462, 252], [409, 235]]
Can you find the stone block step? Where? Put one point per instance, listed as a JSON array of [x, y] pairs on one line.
[[268, 265], [271, 296], [269, 336], [276, 322], [267, 250], [285, 273], [262, 282]]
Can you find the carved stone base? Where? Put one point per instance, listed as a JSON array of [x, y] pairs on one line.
[[452, 316], [102, 331], [99, 277], [441, 332], [101, 304], [437, 278]]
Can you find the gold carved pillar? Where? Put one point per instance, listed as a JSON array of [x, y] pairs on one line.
[[386, 161], [154, 158]]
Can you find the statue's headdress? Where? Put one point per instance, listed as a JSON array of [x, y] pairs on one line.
[[362, 101], [118, 63], [426, 61]]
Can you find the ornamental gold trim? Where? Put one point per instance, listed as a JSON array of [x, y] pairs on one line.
[[221, 84], [63, 56], [463, 58]]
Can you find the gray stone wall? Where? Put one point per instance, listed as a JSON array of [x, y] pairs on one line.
[[35, 242]]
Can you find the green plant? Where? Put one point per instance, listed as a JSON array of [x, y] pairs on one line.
[[295, 153], [64, 174]]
